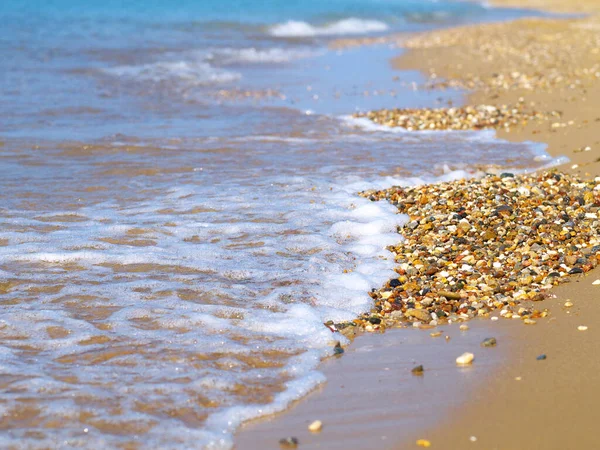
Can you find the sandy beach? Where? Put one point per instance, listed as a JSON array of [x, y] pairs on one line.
[[528, 403], [219, 228], [537, 388]]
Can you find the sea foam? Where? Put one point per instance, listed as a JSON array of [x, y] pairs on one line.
[[351, 26], [187, 72]]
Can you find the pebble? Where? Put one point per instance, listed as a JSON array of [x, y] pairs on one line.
[[541, 357], [470, 117], [435, 334], [489, 342], [419, 314], [418, 370], [465, 359], [423, 443], [315, 426], [289, 442], [582, 328], [541, 238], [338, 349], [568, 304], [464, 327], [596, 282]]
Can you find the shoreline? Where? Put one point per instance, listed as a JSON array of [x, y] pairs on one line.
[[518, 388]]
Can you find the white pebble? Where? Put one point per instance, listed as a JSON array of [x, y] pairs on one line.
[[316, 426], [465, 359], [494, 318], [582, 328], [596, 283], [464, 327]]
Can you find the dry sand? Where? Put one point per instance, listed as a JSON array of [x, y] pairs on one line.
[[509, 399]]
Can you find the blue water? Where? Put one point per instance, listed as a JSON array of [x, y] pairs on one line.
[[71, 68], [178, 208], [247, 11]]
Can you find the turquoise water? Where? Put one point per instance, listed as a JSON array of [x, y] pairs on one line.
[[178, 208], [250, 11], [75, 69]]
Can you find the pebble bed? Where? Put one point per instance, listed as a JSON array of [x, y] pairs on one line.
[[467, 118], [473, 247]]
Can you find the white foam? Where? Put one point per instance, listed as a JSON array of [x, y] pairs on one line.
[[190, 72], [350, 26], [259, 56]]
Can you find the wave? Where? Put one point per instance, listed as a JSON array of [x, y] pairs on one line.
[[194, 73], [200, 68], [349, 26], [274, 55]]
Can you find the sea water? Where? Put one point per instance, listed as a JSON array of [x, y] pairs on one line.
[[179, 211]]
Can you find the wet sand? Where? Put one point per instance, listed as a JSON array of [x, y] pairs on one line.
[[510, 400], [371, 398]]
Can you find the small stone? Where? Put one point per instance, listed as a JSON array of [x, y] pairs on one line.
[[464, 327], [464, 225], [450, 295], [289, 442], [427, 302], [316, 426], [582, 328], [473, 439], [488, 235], [494, 319], [568, 304], [541, 357], [504, 209], [465, 359], [596, 283], [529, 322], [435, 334], [489, 342], [395, 283], [418, 370], [338, 349], [423, 443], [419, 314]]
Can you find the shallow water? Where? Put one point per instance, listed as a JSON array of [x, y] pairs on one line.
[[178, 209]]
